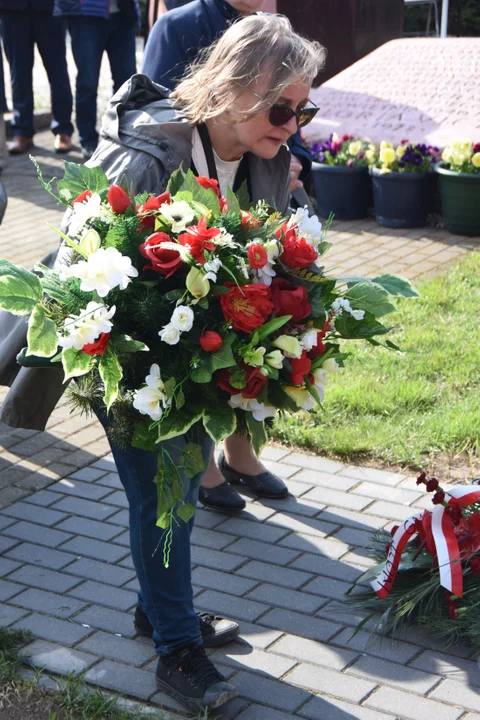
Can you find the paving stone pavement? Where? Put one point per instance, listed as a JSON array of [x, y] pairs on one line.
[[280, 567]]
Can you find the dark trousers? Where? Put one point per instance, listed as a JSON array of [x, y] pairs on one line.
[[91, 37], [20, 32]]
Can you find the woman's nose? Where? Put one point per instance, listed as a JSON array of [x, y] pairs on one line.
[[291, 125]]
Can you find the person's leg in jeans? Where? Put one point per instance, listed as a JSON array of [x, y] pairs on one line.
[[166, 593], [50, 35], [89, 38], [121, 49], [18, 42]]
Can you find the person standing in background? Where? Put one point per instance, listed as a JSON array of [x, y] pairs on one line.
[[26, 23], [3, 110], [95, 27]]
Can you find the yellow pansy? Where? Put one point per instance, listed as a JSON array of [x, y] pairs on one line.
[[447, 155], [400, 151], [384, 145], [355, 147], [387, 156], [370, 155], [476, 160]]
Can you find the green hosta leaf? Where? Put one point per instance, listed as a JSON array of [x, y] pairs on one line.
[[144, 438], [203, 373], [126, 344], [78, 178], [232, 202], [111, 374], [271, 327], [223, 358], [396, 285], [369, 296], [186, 511], [179, 399], [258, 434], [191, 460], [76, 363], [41, 334], [176, 181], [220, 422], [20, 290], [177, 422]]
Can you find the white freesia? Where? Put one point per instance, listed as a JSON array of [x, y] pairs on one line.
[[341, 304], [267, 273], [151, 399], [308, 226], [331, 365], [169, 334], [274, 359], [87, 326], [309, 339], [179, 214], [182, 318], [211, 268], [104, 270], [87, 210], [300, 396], [259, 410], [289, 345]]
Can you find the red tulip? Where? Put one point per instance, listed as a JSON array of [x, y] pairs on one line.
[[211, 341], [118, 199]]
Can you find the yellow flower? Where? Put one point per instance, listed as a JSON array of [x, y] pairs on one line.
[[370, 155], [447, 155], [355, 147], [335, 137], [400, 151], [384, 170], [197, 284], [465, 147], [459, 158], [387, 156], [476, 160], [384, 145], [300, 396]]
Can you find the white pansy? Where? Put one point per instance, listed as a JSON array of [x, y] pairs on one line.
[[308, 226], [309, 339], [179, 214], [151, 399], [259, 410], [341, 304], [169, 334], [211, 268], [87, 326], [182, 318], [104, 270], [87, 210]]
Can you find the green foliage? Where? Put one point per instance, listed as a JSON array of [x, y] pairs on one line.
[[219, 421], [145, 437], [179, 421], [463, 18], [20, 290], [257, 432], [76, 363], [369, 296], [191, 460], [111, 374], [400, 408], [79, 178], [41, 334], [125, 237]]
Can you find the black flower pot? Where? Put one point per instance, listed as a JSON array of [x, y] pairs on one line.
[[402, 200], [341, 190]]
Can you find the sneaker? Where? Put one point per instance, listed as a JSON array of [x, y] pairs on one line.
[[215, 630], [191, 678]]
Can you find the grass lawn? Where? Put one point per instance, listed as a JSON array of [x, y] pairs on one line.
[[413, 407]]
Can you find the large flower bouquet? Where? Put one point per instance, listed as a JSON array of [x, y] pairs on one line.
[[428, 568], [462, 156], [406, 158], [343, 150], [189, 313]]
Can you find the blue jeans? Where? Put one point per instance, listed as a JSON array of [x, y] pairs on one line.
[[20, 32], [91, 37], [166, 594]]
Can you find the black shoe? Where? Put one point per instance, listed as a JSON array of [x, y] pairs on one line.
[[215, 630], [266, 484], [190, 677], [223, 498]]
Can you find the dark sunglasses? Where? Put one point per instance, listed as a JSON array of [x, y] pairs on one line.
[[282, 114]]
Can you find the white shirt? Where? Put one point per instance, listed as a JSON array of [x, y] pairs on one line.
[[226, 170]]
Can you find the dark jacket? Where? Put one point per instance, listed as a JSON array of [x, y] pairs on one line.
[[95, 8], [176, 39], [44, 6], [144, 139]]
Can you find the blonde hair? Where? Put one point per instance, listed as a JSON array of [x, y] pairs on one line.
[[251, 48]]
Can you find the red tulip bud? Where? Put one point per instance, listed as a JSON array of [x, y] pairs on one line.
[[118, 199], [83, 196], [211, 341]]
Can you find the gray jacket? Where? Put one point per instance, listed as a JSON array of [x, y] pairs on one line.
[[144, 139]]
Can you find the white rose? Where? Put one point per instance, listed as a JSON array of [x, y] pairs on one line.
[[169, 335], [182, 318]]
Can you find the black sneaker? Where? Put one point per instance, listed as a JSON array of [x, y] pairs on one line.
[[190, 677], [215, 630]]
